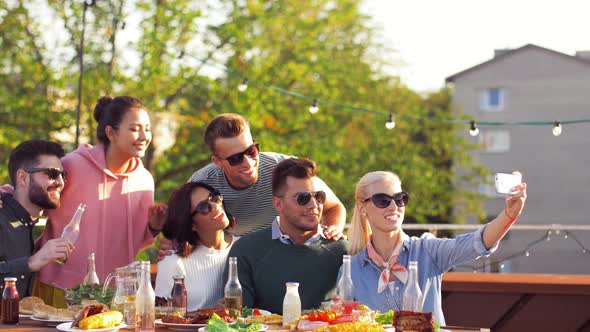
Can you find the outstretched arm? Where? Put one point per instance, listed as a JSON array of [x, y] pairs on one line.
[[497, 228]]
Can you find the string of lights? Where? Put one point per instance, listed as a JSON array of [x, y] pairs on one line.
[[527, 251], [473, 126], [244, 83]]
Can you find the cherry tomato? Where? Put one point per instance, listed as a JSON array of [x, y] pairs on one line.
[[256, 312], [323, 316], [313, 316]]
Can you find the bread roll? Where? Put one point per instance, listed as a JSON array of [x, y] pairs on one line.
[[26, 305], [62, 314], [43, 311]]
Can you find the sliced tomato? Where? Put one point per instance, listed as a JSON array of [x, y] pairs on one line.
[[313, 317], [256, 312]]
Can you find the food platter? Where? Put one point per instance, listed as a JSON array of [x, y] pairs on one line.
[[179, 327], [67, 327], [263, 327], [52, 322]]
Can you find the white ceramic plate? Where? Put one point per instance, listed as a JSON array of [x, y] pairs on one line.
[[179, 327], [263, 328], [67, 327], [24, 316], [51, 322]]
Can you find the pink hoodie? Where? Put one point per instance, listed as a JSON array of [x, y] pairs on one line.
[[114, 224]]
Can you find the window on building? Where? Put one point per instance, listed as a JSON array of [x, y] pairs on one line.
[[492, 99], [495, 140]]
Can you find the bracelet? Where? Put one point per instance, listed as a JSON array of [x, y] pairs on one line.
[[510, 222], [153, 230]]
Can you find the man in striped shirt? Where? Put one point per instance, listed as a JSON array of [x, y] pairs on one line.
[[243, 175]]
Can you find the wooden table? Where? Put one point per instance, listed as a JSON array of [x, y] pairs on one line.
[[27, 325]]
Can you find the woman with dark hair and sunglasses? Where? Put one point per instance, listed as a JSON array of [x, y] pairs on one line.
[[197, 221], [382, 251]]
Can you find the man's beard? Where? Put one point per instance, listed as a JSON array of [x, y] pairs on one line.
[[40, 197]]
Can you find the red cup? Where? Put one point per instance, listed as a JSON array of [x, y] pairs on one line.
[[348, 306]]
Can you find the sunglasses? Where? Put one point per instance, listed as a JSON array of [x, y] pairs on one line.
[[237, 158], [52, 173], [204, 207], [382, 200], [304, 197]]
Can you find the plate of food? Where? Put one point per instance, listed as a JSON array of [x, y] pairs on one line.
[[179, 326], [67, 327], [262, 327]]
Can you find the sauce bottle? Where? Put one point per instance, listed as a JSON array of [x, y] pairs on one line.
[[178, 296], [10, 302]]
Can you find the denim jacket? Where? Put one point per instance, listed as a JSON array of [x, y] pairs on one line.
[[434, 256]]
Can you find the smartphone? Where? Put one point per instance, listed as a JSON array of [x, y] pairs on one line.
[[505, 182]]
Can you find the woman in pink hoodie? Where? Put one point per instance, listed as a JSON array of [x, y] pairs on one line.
[[118, 192]]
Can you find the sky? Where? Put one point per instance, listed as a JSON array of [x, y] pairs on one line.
[[435, 39]]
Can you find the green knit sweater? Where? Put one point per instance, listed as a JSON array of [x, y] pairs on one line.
[[265, 265]]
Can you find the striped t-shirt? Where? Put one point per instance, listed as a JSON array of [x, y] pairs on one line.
[[252, 206]]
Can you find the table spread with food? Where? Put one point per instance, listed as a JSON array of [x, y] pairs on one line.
[[98, 308], [93, 316]]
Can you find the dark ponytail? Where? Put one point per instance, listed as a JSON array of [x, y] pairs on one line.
[[110, 111]]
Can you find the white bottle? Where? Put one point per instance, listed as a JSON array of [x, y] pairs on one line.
[[291, 303], [145, 302], [72, 230], [412, 294]]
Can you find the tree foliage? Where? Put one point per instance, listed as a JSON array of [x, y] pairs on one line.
[[185, 61]]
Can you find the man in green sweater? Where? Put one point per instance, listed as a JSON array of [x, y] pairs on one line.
[[293, 248]]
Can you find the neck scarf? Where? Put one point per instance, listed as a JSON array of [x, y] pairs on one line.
[[399, 271]]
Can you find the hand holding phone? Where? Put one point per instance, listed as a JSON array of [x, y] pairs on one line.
[[505, 182]]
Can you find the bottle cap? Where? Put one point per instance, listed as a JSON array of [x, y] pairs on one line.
[[10, 279], [178, 276]]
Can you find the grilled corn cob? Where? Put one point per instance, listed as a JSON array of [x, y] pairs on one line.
[[102, 320]]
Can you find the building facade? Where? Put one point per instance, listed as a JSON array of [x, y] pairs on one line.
[[532, 83]]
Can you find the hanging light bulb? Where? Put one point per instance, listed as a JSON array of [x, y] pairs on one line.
[[390, 124], [243, 85], [313, 109], [473, 130], [527, 253], [556, 128]]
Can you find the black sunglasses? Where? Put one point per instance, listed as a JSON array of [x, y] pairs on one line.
[[204, 207], [237, 158], [52, 173], [304, 197], [382, 200]]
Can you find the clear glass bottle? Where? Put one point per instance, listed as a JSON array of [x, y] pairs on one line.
[[412, 300], [291, 303], [72, 230], [233, 290], [10, 299], [91, 278], [145, 302], [345, 285], [178, 296]]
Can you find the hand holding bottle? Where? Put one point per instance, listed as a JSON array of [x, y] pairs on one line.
[[54, 249]]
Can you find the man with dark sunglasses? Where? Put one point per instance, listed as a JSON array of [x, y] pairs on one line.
[[243, 175], [38, 178], [293, 248]]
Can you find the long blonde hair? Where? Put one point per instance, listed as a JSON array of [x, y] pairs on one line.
[[360, 230]]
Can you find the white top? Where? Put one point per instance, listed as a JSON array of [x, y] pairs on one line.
[[203, 271]]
